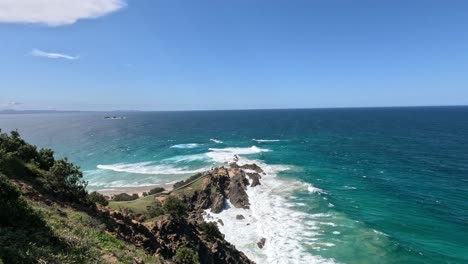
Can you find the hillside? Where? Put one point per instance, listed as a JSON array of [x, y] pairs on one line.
[[47, 216]]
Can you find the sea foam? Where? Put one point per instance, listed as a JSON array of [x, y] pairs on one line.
[[266, 140], [186, 146], [223, 155], [217, 141], [148, 168], [285, 230]]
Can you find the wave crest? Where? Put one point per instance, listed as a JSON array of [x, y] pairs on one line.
[[148, 168], [266, 140], [186, 146]]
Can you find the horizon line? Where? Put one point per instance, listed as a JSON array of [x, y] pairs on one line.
[[207, 110]]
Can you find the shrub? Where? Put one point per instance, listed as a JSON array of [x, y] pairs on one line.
[[175, 207], [210, 229], [97, 198], [192, 178], [65, 179], [145, 194], [155, 209], [185, 256], [125, 197], [156, 190], [45, 158]]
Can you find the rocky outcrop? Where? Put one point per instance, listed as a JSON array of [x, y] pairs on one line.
[[223, 184], [236, 190], [261, 243], [165, 235], [253, 167], [255, 178]]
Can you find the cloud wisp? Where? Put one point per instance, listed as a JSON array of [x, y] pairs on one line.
[[52, 55], [13, 103], [55, 12]]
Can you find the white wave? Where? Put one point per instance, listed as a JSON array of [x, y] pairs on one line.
[[266, 140], [148, 168], [186, 158], [347, 187], [313, 189], [286, 230], [186, 146], [223, 155], [217, 141]]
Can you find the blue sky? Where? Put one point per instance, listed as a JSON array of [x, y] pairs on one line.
[[243, 54]]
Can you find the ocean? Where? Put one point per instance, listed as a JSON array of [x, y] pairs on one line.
[[362, 185]]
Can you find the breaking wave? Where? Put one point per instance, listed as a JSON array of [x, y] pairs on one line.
[[148, 168], [186, 146], [266, 140], [287, 232]]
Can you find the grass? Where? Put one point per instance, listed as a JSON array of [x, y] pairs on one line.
[[189, 190], [89, 237], [137, 206]]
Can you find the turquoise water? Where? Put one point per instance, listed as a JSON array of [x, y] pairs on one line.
[[382, 185]]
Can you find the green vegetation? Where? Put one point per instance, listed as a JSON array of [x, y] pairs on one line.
[[32, 232], [155, 209], [98, 198], [61, 178], [175, 207], [190, 179], [138, 206], [54, 222], [189, 190], [125, 197], [185, 256], [156, 190], [210, 230]]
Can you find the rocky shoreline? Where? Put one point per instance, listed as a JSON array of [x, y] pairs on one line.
[[213, 189]]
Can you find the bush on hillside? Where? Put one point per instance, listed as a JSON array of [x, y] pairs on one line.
[[97, 198], [125, 197], [210, 229], [185, 255], [156, 190], [45, 159], [190, 179], [66, 180], [155, 209], [175, 207], [23, 160]]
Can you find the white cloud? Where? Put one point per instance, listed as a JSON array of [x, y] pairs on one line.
[[13, 103], [52, 55], [55, 12]]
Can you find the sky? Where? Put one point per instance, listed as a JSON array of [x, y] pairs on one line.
[[242, 54]]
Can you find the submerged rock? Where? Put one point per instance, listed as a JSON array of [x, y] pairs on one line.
[[261, 243], [240, 217], [253, 167], [255, 177]]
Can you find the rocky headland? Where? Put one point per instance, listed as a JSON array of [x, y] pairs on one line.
[[210, 190]]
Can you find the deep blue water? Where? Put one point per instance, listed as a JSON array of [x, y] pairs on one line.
[[393, 182]]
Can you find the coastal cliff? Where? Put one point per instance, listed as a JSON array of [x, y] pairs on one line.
[[47, 216], [210, 190]]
